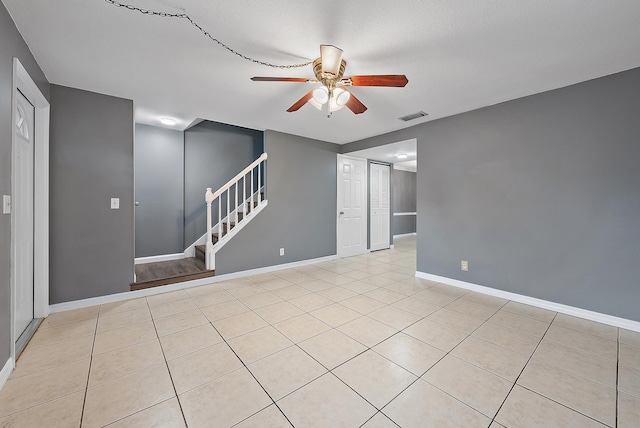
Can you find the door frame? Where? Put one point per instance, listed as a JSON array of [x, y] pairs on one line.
[[369, 209], [365, 194], [23, 82]]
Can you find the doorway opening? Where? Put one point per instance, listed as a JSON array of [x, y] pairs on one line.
[[401, 158]]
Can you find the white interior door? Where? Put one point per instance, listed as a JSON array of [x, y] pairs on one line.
[[380, 206], [22, 210], [352, 206]]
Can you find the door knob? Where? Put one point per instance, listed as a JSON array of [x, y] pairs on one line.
[[341, 212]]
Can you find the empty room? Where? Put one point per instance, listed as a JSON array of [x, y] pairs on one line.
[[330, 214]]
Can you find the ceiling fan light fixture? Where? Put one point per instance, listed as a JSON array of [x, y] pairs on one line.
[[341, 96], [321, 95], [315, 103], [331, 59]]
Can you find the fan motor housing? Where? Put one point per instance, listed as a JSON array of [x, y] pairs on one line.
[[328, 79]]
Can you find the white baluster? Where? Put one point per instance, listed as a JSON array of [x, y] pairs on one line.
[[228, 216], [219, 217], [259, 185], [244, 196], [236, 205], [251, 201], [208, 197]]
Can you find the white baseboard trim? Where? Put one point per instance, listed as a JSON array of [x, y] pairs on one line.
[[77, 304], [161, 258], [6, 372], [402, 235], [533, 301]]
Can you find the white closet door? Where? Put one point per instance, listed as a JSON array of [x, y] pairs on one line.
[[380, 206]]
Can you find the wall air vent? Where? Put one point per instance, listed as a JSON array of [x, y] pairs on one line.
[[409, 117]]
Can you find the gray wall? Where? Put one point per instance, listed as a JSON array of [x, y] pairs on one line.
[[11, 45], [159, 188], [540, 194], [213, 154], [91, 161], [404, 200], [301, 215]]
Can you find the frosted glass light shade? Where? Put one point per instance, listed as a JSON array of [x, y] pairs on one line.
[[341, 96], [331, 59], [321, 95]]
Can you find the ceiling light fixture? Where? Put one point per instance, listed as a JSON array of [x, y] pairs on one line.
[[167, 121], [329, 72], [321, 95], [401, 155]]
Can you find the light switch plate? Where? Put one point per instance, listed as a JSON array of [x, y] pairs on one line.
[[115, 203], [6, 204]]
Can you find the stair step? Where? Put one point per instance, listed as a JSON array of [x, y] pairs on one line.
[[171, 280], [163, 273]]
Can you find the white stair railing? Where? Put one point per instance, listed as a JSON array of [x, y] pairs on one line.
[[238, 206]]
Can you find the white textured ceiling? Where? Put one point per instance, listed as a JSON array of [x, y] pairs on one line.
[[388, 153], [457, 54]]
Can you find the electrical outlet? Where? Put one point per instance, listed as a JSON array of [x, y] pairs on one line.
[[464, 265], [115, 203], [282, 251]]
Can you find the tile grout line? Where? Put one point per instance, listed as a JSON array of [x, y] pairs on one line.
[[544, 396], [245, 366], [443, 357], [297, 345], [515, 382], [184, 418], [330, 371], [86, 389]]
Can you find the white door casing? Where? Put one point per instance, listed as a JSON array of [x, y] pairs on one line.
[[23, 84], [380, 206], [22, 209], [352, 206]]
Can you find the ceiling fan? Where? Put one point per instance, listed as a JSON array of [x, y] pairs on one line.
[[329, 72]]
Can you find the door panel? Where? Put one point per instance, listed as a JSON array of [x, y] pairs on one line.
[[379, 199], [22, 209], [352, 221]]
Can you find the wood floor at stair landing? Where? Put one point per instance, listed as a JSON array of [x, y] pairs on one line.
[[169, 272]]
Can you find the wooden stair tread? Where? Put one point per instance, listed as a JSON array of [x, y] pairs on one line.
[[171, 280], [169, 272]]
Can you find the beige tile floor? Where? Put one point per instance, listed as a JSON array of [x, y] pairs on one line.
[[356, 342]]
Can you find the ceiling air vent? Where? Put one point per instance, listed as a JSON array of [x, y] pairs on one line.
[[409, 117]]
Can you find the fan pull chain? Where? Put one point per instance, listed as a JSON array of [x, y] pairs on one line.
[[203, 31]]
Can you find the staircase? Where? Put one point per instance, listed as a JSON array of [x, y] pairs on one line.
[[239, 201], [201, 250]]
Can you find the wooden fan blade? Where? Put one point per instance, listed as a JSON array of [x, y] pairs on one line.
[[302, 101], [355, 105], [280, 79], [394, 80]]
